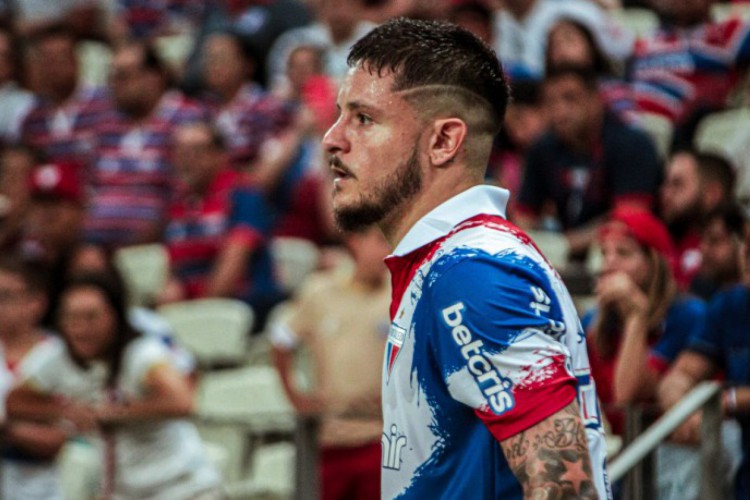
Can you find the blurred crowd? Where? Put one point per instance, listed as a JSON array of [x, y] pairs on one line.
[[197, 125]]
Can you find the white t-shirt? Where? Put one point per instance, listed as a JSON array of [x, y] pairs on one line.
[[159, 459]]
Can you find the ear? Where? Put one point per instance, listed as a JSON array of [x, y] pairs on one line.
[[446, 140]]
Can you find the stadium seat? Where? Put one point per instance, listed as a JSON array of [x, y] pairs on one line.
[[723, 11], [94, 64], [144, 269], [272, 474], [642, 22], [80, 470], [294, 259], [215, 330], [718, 132], [251, 396], [659, 128], [553, 245], [175, 49]]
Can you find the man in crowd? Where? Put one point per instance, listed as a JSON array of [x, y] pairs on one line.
[[132, 178], [587, 164], [341, 320], [695, 185]]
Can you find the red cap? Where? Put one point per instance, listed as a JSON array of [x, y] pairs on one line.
[[644, 227], [56, 181]]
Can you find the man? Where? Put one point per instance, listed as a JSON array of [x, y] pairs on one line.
[[695, 184], [723, 344], [62, 122], [689, 66], [587, 163], [485, 351], [132, 178], [217, 230], [341, 320], [719, 247]]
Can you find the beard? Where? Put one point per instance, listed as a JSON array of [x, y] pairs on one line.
[[395, 190]]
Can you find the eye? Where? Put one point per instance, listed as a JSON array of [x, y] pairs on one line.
[[363, 119]]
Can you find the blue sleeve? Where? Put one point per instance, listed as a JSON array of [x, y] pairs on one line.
[[497, 339], [251, 210], [707, 337], [685, 319]]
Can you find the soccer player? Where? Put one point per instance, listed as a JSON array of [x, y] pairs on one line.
[[486, 385]]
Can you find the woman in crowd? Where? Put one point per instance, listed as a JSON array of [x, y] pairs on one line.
[[105, 376], [639, 323]]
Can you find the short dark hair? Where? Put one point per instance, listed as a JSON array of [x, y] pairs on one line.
[[425, 53], [601, 65], [714, 167], [586, 75], [56, 30], [731, 215], [33, 276]]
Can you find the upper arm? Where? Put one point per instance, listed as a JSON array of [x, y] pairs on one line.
[[551, 459], [494, 337]]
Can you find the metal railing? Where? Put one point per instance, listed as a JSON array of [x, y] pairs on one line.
[[705, 396]]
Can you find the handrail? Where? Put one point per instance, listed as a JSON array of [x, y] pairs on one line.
[[663, 427]]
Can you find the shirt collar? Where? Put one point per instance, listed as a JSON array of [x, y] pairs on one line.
[[442, 219]]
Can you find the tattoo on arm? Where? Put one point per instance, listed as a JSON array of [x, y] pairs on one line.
[[551, 460]]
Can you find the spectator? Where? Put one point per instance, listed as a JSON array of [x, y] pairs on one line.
[[572, 42], [139, 407], [587, 163], [53, 226], [16, 101], [132, 178], [695, 184], [639, 324], [62, 123], [243, 112], [341, 318], [474, 16], [337, 29], [522, 27], [149, 19], [689, 66], [720, 240], [217, 230], [16, 163], [720, 344], [28, 448], [525, 122]]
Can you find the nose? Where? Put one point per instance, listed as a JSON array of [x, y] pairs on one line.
[[335, 140]]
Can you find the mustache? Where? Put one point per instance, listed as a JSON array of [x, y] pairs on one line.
[[335, 162]]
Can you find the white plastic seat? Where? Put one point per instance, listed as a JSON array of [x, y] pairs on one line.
[[145, 269], [554, 247], [80, 469], [294, 259], [659, 128], [252, 396], [718, 132], [272, 474], [215, 330], [642, 22]]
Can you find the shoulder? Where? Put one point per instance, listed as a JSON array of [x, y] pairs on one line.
[[145, 349]]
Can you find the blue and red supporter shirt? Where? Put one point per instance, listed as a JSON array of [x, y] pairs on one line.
[[247, 121], [199, 228], [679, 70], [66, 133], [484, 344], [132, 177]]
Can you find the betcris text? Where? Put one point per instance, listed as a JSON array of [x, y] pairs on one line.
[[495, 387]]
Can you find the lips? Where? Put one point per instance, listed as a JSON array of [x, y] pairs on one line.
[[340, 171]]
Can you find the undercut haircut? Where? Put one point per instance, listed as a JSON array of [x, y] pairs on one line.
[[445, 67]]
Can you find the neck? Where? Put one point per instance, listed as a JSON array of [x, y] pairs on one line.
[[229, 92], [18, 339], [398, 223], [368, 279]]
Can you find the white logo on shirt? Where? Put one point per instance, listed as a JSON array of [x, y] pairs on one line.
[[392, 444]]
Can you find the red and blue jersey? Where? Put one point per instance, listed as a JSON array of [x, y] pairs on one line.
[[66, 133], [677, 71], [484, 343], [245, 123], [132, 176]]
